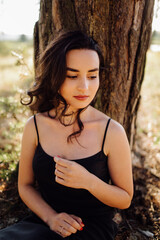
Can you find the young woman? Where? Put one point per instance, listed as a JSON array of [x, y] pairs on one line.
[[79, 156]]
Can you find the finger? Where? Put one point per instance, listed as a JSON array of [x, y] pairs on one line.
[[78, 219], [59, 174], [69, 228], [60, 168], [73, 222], [63, 232], [60, 180], [62, 162]]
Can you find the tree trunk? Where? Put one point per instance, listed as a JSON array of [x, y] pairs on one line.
[[123, 30]]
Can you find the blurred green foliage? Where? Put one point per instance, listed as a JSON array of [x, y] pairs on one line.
[[17, 74], [13, 117]]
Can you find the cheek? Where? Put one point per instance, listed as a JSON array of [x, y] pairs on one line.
[[65, 87], [95, 86]]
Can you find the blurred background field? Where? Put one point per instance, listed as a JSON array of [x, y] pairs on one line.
[[17, 75]]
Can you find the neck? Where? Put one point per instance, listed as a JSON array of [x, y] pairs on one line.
[[69, 116]]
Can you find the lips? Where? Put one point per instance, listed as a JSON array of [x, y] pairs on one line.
[[81, 97]]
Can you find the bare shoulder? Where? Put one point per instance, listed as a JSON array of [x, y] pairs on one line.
[[42, 118], [115, 132], [29, 125], [98, 115], [29, 132], [114, 126], [117, 137], [116, 129]]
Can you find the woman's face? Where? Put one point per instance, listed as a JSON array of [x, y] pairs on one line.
[[82, 78]]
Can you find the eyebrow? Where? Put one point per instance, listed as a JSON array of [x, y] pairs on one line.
[[75, 70]]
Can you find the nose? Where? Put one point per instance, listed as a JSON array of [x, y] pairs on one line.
[[83, 84]]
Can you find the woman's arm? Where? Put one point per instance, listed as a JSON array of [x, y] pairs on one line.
[[31, 196], [27, 192], [119, 195]]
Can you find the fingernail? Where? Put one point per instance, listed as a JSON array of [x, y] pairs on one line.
[[82, 224], [81, 229]]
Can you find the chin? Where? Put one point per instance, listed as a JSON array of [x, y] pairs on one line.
[[80, 106]]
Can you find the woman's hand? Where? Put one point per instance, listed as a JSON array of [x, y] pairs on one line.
[[71, 174], [65, 224]]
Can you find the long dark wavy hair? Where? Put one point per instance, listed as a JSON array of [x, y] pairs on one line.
[[51, 73]]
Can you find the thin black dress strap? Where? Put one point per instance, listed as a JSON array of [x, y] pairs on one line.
[[105, 132], [35, 122]]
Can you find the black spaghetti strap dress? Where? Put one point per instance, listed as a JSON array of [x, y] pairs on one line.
[[96, 216]]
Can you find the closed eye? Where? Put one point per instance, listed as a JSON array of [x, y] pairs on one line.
[[72, 77]]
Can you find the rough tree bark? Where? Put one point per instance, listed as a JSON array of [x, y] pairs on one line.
[[123, 30]]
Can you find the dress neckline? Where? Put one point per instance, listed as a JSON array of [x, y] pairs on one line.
[[79, 159]]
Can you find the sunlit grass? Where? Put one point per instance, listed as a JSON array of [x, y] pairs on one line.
[[15, 72], [7, 46]]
